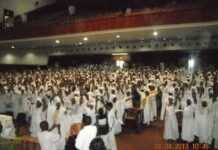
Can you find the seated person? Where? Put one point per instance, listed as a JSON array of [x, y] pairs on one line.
[[49, 140]]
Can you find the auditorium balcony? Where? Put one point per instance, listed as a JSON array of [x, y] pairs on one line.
[[60, 23]]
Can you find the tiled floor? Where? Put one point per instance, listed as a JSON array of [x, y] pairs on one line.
[[149, 139]]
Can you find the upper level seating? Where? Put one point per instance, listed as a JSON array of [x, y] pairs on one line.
[[61, 23]]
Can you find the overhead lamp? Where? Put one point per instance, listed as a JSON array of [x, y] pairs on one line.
[[120, 63], [191, 63], [155, 33], [12, 46], [119, 54], [85, 39], [57, 41], [117, 36], [6, 17]]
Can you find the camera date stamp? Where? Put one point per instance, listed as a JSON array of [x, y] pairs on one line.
[[182, 146]]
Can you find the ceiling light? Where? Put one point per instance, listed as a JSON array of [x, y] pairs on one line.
[[155, 33], [85, 39], [13, 46], [117, 36], [119, 54], [57, 41], [191, 63]]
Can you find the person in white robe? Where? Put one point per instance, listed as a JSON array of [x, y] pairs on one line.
[[58, 117], [111, 140], [128, 100], [188, 123], [86, 134], [36, 118], [171, 131], [120, 109], [215, 123], [50, 112], [49, 140], [164, 100], [146, 109], [117, 126], [90, 111], [65, 123], [203, 124], [153, 103]]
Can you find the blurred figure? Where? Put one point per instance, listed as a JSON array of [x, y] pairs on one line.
[[49, 140], [86, 135], [97, 144], [71, 140], [171, 131], [188, 123]]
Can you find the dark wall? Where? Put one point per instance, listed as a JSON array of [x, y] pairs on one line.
[[205, 58], [72, 60]]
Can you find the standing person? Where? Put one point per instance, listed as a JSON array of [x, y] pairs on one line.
[[188, 123], [171, 131], [153, 103], [112, 127], [71, 140], [49, 140], [146, 109], [164, 100], [215, 123], [203, 123], [102, 122], [50, 112], [36, 118], [86, 135]]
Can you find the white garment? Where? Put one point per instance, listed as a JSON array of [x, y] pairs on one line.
[[153, 107], [215, 124], [50, 141], [35, 121], [58, 119], [171, 125], [188, 124], [120, 109], [114, 124], [164, 103], [91, 113], [85, 136], [65, 123], [203, 126], [146, 112], [110, 141], [50, 112]]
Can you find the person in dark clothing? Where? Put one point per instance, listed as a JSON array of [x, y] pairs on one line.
[[102, 122], [70, 143], [135, 97], [97, 144]]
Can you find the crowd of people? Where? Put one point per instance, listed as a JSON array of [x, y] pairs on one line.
[[82, 107]]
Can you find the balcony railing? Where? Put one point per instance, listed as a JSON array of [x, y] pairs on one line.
[[138, 18]]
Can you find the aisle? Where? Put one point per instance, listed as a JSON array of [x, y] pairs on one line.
[[146, 140]]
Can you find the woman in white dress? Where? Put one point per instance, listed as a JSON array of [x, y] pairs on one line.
[[171, 131], [188, 123]]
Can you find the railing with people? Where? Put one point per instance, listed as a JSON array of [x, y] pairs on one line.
[[116, 20]]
